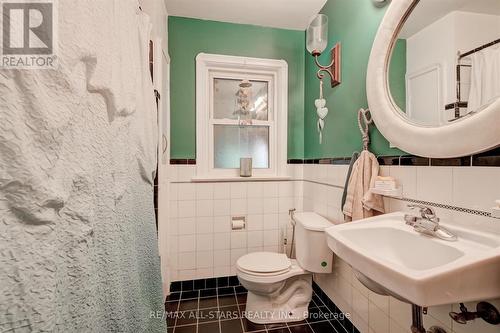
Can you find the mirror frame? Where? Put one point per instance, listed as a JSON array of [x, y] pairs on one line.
[[466, 136]]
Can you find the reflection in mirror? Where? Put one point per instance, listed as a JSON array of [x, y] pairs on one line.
[[445, 64]]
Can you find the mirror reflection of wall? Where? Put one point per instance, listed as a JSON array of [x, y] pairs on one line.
[[428, 79]]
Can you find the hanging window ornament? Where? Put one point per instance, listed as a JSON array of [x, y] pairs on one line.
[[244, 103]]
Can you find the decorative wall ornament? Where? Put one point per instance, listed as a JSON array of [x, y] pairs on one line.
[[244, 102], [322, 111]]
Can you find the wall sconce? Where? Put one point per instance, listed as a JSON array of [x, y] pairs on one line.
[[316, 42]]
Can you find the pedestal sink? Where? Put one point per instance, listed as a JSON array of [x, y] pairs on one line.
[[391, 258]]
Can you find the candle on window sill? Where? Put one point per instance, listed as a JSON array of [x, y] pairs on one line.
[[246, 167]]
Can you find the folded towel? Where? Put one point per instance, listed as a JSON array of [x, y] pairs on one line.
[[385, 183], [361, 202], [485, 79]]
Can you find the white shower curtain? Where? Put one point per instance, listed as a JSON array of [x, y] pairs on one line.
[[78, 249], [485, 79]]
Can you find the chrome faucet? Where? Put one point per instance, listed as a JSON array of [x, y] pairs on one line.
[[427, 213], [428, 223]]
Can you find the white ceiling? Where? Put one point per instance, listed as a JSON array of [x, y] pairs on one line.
[[429, 11], [286, 14]]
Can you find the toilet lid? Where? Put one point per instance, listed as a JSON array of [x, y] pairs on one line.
[[312, 221], [264, 262]]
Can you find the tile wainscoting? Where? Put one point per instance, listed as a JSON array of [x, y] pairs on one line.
[[203, 246], [201, 242]]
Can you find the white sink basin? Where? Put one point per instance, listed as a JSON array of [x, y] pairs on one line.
[[394, 259]]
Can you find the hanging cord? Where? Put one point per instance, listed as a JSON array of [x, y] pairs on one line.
[[364, 121]]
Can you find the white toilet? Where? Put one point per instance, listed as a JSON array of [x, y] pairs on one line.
[[279, 288]]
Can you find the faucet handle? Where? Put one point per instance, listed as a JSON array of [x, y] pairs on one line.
[[425, 211], [410, 219]]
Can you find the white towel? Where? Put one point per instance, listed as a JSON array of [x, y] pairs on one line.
[[360, 201], [485, 79]]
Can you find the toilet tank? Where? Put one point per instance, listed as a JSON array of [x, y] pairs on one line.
[[311, 249]]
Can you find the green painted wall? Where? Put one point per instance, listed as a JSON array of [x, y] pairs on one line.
[[354, 23], [188, 37]]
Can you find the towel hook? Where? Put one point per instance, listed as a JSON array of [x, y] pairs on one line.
[[364, 121]]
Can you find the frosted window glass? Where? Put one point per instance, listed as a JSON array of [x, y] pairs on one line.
[[225, 99], [233, 142]]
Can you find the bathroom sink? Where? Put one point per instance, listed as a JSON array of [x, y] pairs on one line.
[[391, 258]]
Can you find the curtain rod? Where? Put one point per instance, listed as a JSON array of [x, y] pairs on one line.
[[478, 49]]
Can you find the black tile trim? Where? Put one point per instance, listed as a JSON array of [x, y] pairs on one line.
[[199, 284], [334, 161], [488, 159], [341, 161], [414, 161], [445, 206], [183, 161], [339, 316], [325, 161], [460, 161], [388, 160]]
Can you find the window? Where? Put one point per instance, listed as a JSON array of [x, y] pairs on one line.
[[241, 111], [241, 120]]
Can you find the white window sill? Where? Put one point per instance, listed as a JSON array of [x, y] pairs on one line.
[[199, 179]]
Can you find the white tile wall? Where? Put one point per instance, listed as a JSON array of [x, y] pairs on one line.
[[201, 239], [323, 191], [203, 245], [474, 187]]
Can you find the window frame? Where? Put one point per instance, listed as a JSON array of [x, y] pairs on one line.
[[275, 72]]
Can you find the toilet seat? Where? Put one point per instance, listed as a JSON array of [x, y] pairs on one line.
[[263, 274], [264, 263], [272, 275]]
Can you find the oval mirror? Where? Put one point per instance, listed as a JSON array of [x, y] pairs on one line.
[[433, 78]]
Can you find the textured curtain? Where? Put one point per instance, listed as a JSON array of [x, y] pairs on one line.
[[78, 249]]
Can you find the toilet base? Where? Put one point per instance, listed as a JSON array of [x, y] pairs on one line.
[[288, 304]]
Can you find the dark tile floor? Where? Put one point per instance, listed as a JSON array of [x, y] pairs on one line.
[[221, 310]]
